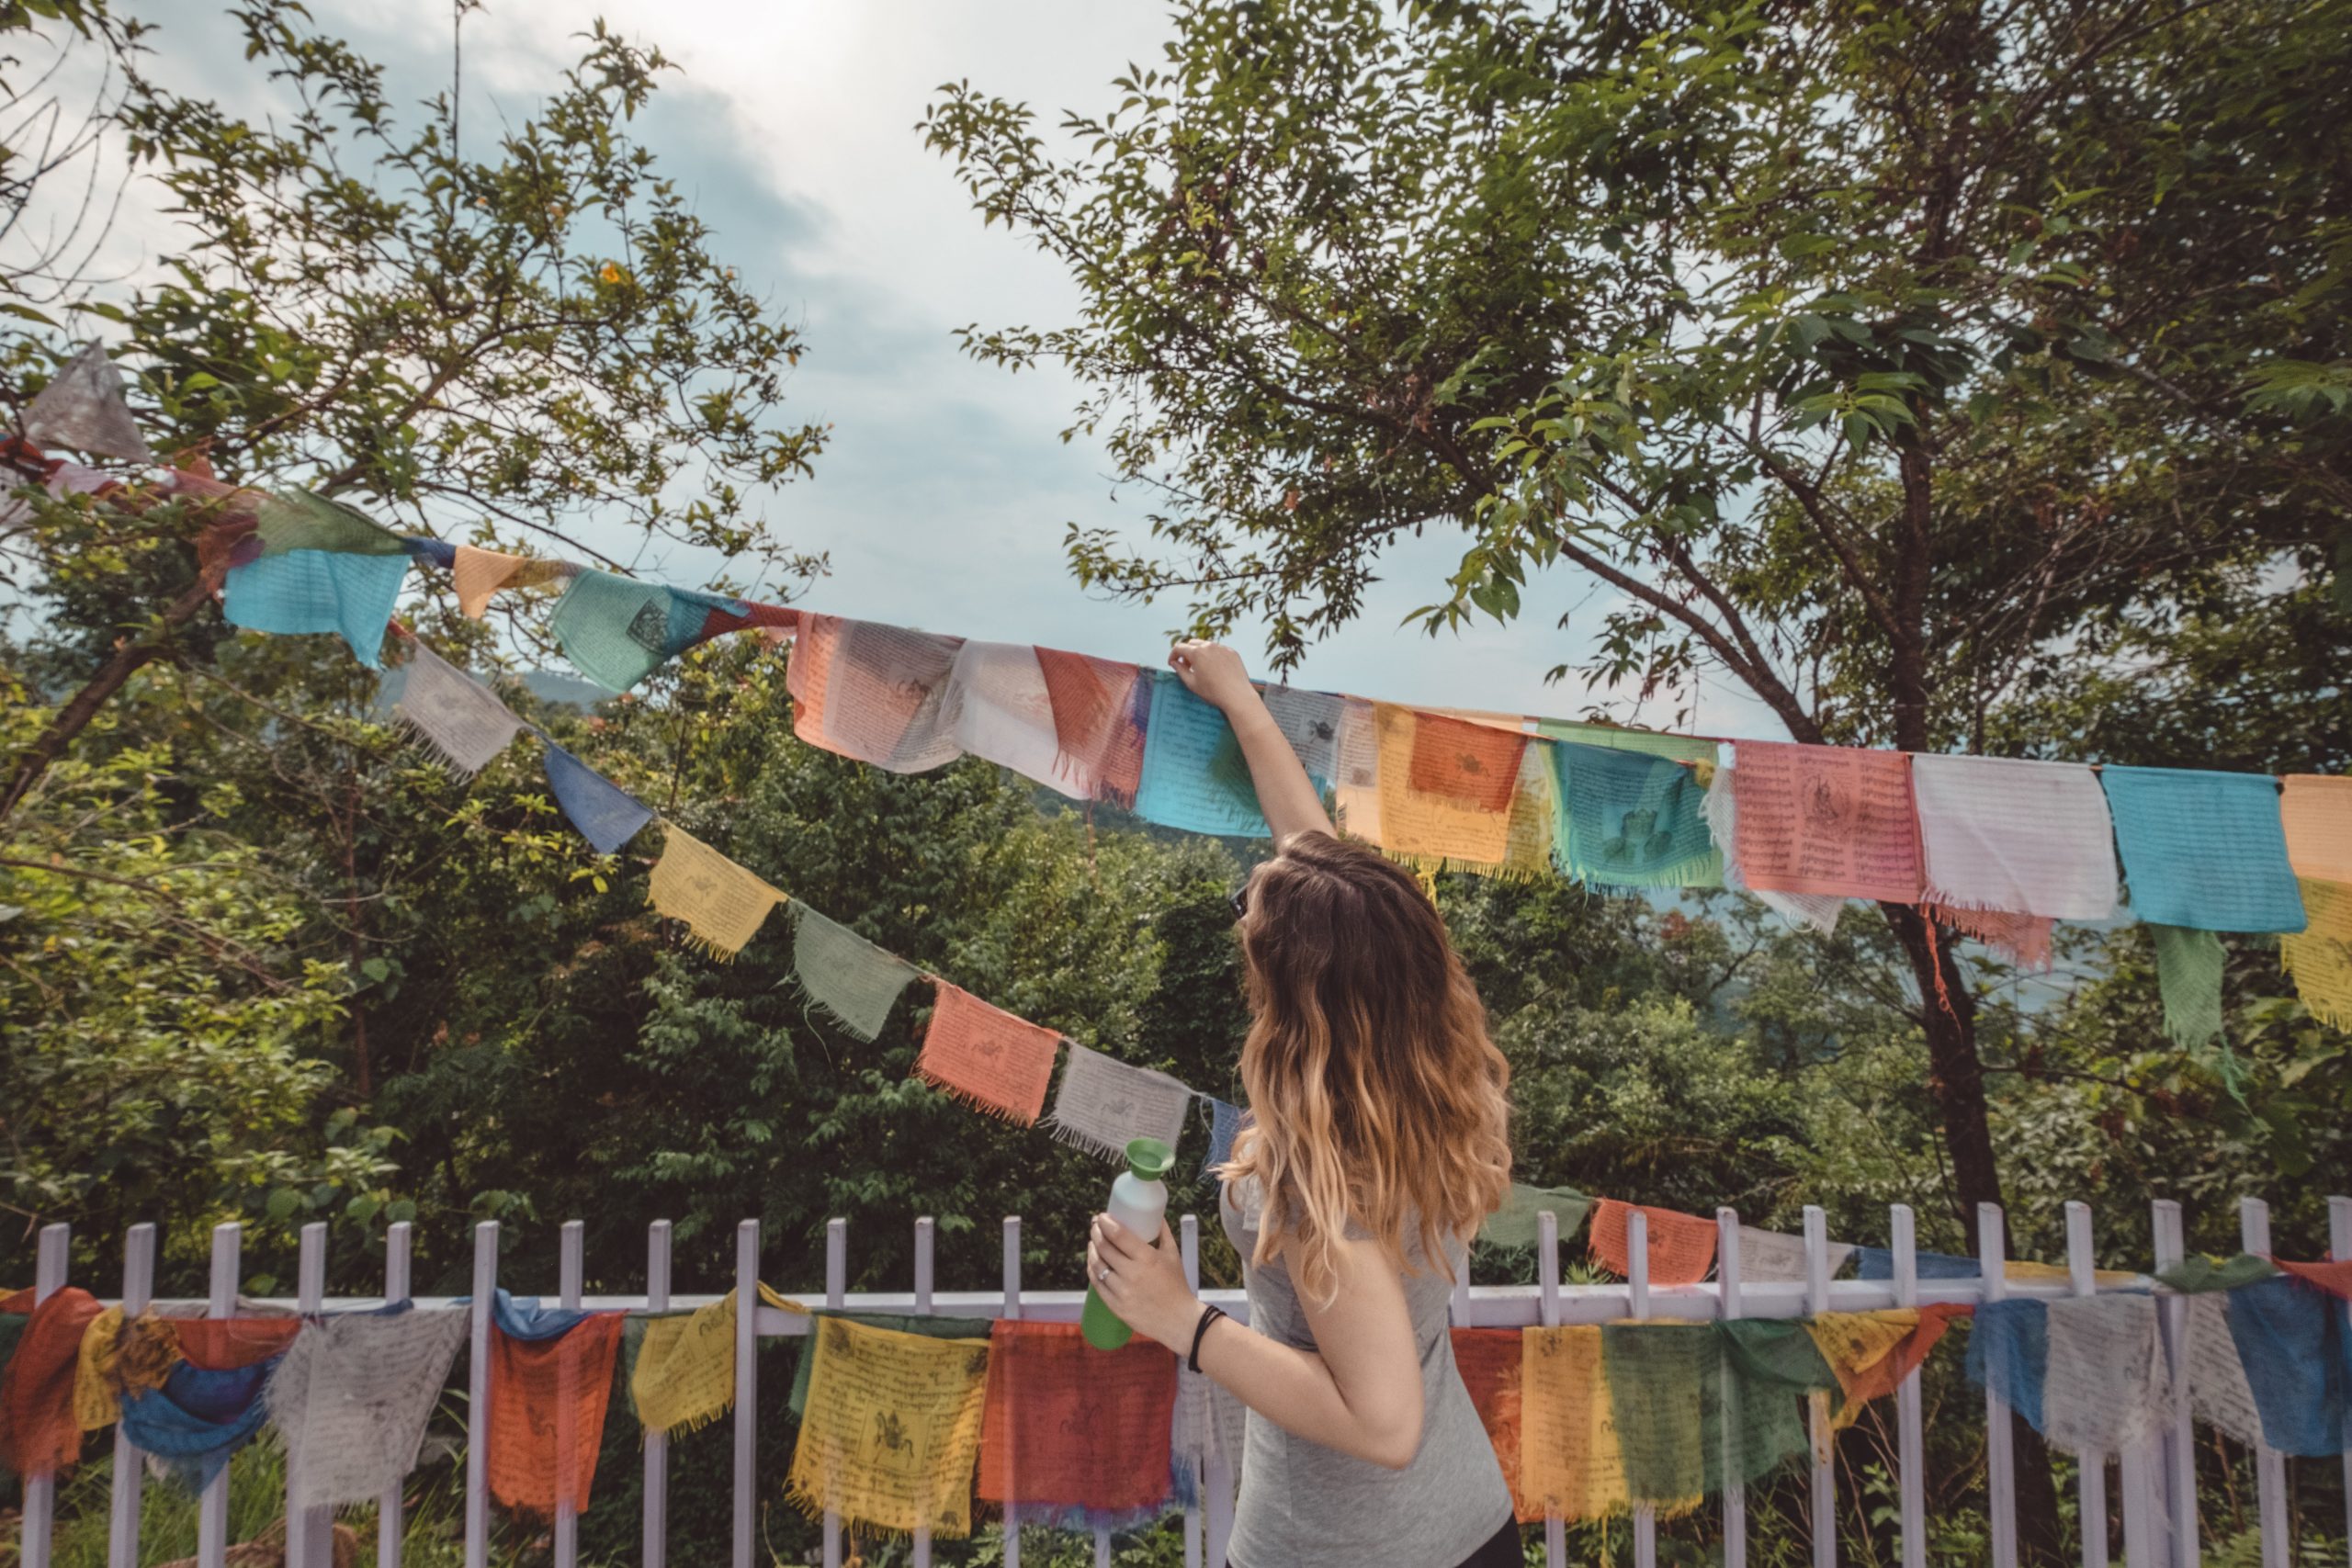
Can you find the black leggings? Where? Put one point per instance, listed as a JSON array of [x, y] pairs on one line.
[[1501, 1549]]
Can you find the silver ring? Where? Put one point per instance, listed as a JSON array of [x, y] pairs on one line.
[[1102, 1275]]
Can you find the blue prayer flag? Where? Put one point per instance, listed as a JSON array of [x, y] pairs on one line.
[[1194, 778], [318, 591], [2290, 1337], [2203, 850], [608, 816], [198, 1420], [2008, 1353]]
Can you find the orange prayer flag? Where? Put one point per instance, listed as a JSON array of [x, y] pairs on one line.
[[546, 1412], [1069, 1427], [986, 1057], [1097, 728], [1682, 1246], [38, 1434], [17, 1302], [2335, 1279], [1489, 1362], [1470, 764]]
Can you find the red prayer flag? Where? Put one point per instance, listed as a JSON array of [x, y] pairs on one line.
[[1881, 1377], [2335, 1279], [1827, 820], [987, 1057], [1682, 1246], [546, 1412], [1488, 1359], [1096, 730], [37, 1433], [1070, 1426], [1471, 765], [224, 1344]]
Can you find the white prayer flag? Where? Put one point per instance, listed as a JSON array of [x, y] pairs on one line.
[[353, 1396], [458, 718], [1769, 1257], [1103, 1104], [84, 408], [2217, 1391], [2107, 1386], [2021, 836]]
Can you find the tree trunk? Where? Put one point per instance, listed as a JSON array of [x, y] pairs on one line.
[[1956, 1083]]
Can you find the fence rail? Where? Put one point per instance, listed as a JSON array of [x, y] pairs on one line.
[[2155, 1493]]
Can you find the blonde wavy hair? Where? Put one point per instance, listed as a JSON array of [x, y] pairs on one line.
[[1378, 1098]]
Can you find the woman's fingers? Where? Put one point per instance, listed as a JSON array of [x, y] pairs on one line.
[[1117, 1240]]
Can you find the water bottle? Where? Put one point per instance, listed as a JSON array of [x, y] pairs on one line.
[[1138, 1201]]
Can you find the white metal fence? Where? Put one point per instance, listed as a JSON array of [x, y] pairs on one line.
[[2155, 1491]]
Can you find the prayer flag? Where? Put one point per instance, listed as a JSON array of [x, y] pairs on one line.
[[318, 591], [892, 1429], [2012, 845], [853, 981], [1210, 1421], [1103, 1104], [721, 903], [1518, 1224], [2319, 957], [2196, 1273], [877, 694], [608, 816], [83, 407], [1311, 722], [305, 519], [1827, 820], [119, 1358], [682, 1369], [2290, 1339], [897, 1323], [477, 574], [1631, 819], [2008, 1351], [1441, 802], [1682, 1246], [353, 1395], [1100, 710], [1570, 1462], [1194, 775], [986, 1057], [1815, 912], [2217, 1391], [2334, 1278], [1225, 1125], [1659, 1375], [1489, 1360], [232, 1344], [192, 1425], [461, 720], [2189, 978], [38, 1434], [1079, 1432], [1772, 1369], [2203, 850], [2106, 1386], [2315, 814], [548, 1399], [616, 631], [1619, 738], [1003, 712], [1355, 791], [1770, 1256], [1871, 1353]]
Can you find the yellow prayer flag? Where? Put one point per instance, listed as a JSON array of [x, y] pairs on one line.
[[1852, 1343], [892, 1430], [95, 1400], [1446, 789], [477, 574], [684, 1376], [721, 903], [2319, 955], [1569, 1458], [2019, 1268]]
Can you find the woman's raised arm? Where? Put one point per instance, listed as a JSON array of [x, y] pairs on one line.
[[1286, 796]]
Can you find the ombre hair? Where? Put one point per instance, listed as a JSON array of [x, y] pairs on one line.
[[1378, 1099]]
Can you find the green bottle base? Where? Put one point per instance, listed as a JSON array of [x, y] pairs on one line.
[[1103, 1329]]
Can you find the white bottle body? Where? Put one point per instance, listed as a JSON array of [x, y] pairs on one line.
[[1138, 1205]]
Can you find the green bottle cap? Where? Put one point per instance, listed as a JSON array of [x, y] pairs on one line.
[[1149, 1158]]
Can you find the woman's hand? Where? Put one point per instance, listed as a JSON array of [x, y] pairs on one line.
[[1211, 673], [1144, 1284]]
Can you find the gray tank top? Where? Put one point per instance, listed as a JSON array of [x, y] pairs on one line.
[[1304, 1505]]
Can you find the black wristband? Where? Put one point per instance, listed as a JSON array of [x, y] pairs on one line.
[[1200, 1331]]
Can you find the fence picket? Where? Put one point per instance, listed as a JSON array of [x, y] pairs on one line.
[[1637, 1293], [1727, 1293], [478, 1399], [213, 1509], [569, 1268], [1547, 1287], [1188, 1248], [39, 1521], [1013, 1311], [925, 1234], [126, 1482], [1825, 1465], [2000, 1459], [309, 1540], [2090, 1469], [836, 1291], [2180, 1441], [391, 1522], [2339, 1246], [657, 1444], [2270, 1465], [1910, 1433], [747, 1385]]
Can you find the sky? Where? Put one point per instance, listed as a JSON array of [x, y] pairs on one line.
[[943, 497]]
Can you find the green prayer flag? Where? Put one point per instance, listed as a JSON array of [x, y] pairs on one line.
[[2189, 973], [1631, 819], [1677, 748], [936, 1327], [303, 520], [1518, 1223], [2198, 1274], [847, 976], [1701, 1406]]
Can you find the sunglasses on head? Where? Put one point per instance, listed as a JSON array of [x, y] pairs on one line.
[[1240, 901]]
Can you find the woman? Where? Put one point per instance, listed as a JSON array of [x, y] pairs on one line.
[[1379, 1143]]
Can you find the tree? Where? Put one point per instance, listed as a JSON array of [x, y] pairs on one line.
[[504, 348], [1896, 363]]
